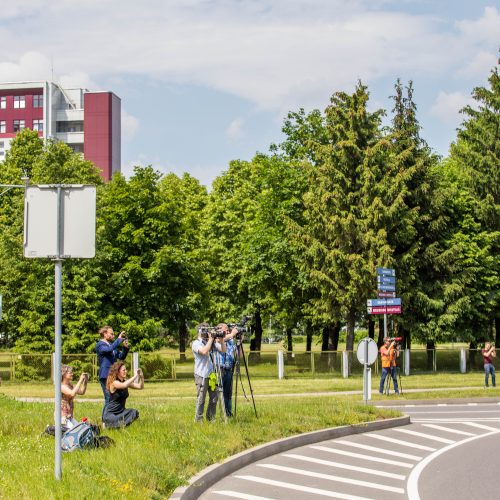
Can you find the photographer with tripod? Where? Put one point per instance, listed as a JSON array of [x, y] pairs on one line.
[[388, 354], [488, 354], [226, 362], [202, 347]]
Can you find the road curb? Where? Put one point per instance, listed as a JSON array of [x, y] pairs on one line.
[[437, 401], [209, 476]]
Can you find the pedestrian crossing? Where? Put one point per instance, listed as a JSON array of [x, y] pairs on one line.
[[374, 465]]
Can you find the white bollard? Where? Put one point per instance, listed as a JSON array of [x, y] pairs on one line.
[[345, 364], [281, 365], [407, 362], [463, 360]]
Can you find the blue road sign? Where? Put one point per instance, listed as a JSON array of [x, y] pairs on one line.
[[388, 280], [383, 302], [385, 271], [386, 288]]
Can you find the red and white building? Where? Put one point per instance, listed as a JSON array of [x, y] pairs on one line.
[[88, 122]]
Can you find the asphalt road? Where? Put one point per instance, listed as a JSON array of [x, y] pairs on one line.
[[447, 452]]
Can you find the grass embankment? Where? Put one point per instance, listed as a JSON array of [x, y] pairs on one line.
[[159, 452]]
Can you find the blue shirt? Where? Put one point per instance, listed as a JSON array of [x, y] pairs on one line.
[[226, 359], [107, 354]]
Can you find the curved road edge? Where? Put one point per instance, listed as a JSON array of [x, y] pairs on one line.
[[214, 473]]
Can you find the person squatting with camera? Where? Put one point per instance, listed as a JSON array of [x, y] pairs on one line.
[[108, 351], [208, 340], [388, 354], [68, 394], [488, 354], [226, 362]]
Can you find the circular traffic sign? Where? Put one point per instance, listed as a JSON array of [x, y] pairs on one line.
[[367, 351]]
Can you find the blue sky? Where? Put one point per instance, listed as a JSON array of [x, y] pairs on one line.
[[203, 82]]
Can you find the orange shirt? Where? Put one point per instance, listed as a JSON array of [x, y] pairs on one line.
[[387, 356]]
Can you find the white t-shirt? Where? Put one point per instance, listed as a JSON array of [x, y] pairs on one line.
[[203, 366]]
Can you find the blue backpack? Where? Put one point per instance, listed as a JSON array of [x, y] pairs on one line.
[[80, 437]]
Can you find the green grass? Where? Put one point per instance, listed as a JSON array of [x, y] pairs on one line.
[[159, 452], [164, 448]]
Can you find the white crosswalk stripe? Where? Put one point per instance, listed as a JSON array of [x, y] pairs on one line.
[[364, 457], [379, 450], [304, 489], [480, 426], [423, 435], [338, 465], [237, 494], [338, 479], [401, 442], [446, 429]]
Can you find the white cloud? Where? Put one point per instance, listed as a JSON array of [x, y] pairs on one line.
[[235, 131], [130, 125], [275, 54], [448, 105]]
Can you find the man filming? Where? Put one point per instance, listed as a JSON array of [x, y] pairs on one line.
[[388, 354], [488, 354], [203, 368], [226, 362]]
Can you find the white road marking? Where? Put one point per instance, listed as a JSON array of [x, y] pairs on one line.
[[465, 412], [375, 472], [379, 450], [338, 479], [401, 442], [237, 494], [479, 426], [471, 404], [412, 485], [296, 487], [364, 457], [427, 436], [446, 429], [453, 420]]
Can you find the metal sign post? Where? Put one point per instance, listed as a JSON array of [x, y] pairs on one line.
[[366, 353], [59, 223]]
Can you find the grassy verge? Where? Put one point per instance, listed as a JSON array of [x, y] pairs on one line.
[[158, 452]]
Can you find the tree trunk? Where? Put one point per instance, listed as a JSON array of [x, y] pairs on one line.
[[349, 341], [472, 354], [380, 341], [334, 337], [431, 347], [325, 334], [371, 328], [406, 337], [497, 332], [309, 337], [183, 336], [256, 342]]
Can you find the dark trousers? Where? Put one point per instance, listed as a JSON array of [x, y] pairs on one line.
[[385, 372], [227, 390]]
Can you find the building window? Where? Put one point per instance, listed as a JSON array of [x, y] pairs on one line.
[[38, 125], [3, 102], [18, 125], [38, 101], [2, 127], [19, 101]]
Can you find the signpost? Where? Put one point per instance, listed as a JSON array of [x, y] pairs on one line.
[[59, 223], [366, 353], [387, 302]]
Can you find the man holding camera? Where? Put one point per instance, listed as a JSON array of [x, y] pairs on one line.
[[203, 369], [388, 354], [488, 354], [226, 362], [108, 351]]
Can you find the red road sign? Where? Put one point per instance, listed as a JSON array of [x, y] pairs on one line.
[[377, 310], [393, 309], [381, 294]]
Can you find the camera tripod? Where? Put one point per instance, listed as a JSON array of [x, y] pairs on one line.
[[398, 378], [240, 354], [219, 388]]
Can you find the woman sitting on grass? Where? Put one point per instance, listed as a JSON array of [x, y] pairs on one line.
[[68, 393], [115, 413]]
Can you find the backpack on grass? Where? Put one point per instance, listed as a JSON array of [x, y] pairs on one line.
[[80, 437]]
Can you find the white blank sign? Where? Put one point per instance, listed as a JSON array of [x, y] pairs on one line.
[[75, 218]]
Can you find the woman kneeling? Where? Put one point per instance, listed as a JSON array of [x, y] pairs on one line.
[[115, 414]]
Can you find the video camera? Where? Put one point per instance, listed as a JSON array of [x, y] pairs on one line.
[[397, 340], [240, 326]]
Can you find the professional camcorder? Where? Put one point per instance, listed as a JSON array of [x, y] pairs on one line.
[[397, 340], [240, 326]]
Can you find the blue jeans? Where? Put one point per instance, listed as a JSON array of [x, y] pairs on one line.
[[489, 368], [385, 372], [227, 389], [105, 392]]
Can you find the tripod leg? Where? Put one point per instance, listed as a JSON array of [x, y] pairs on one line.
[[248, 378]]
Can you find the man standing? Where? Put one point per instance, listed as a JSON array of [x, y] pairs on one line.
[[226, 362], [488, 354], [107, 353], [388, 354], [203, 369]]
